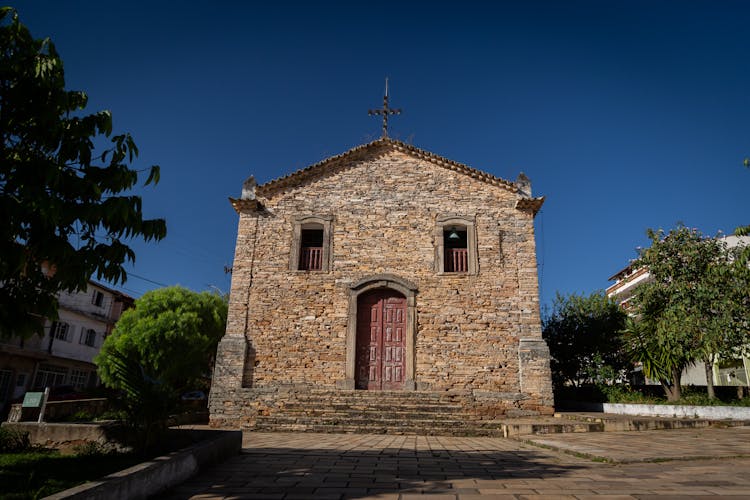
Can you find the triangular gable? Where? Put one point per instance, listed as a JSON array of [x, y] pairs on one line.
[[321, 168], [329, 165]]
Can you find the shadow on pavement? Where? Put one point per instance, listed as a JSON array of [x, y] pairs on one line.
[[325, 473]]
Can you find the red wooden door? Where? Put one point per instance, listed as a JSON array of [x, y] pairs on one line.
[[381, 340]]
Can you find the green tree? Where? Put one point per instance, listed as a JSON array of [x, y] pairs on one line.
[[171, 333], [64, 217], [692, 309], [583, 335], [723, 309]]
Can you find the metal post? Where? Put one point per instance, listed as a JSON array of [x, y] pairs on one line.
[[44, 405]]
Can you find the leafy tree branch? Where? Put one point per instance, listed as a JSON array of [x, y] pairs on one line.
[[56, 192]]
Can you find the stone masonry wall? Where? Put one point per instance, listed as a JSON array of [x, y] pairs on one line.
[[292, 325]]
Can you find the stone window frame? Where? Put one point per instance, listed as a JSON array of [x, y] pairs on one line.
[[441, 224], [405, 288], [324, 220]]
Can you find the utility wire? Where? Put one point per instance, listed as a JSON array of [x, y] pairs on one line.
[[146, 279]]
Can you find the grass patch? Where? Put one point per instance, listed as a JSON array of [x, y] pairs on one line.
[[37, 473], [31, 472], [653, 395], [690, 397], [626, 394]]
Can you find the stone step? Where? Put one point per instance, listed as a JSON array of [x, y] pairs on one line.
[[436, 397], [408, 431], [364, 420], [497, 428], [614, 423], [360, 407], [430, 428], [393, 416], [539, 426], [379, 402]]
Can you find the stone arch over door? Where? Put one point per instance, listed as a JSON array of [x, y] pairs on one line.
[[408, 290]]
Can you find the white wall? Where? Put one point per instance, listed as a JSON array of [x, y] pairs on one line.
[[74, 347]]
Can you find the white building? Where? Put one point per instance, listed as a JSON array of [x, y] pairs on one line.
[[65, 354], [732, 372]]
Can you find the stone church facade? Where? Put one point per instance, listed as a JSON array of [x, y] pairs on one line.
[[386, 268]]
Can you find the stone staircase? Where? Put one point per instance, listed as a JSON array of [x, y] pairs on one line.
[[437, 414], [373, 412], [380, 412]]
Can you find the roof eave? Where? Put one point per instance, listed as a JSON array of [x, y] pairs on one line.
[[241, 205], [531, 204]]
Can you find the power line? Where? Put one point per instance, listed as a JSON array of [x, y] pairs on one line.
[[130, 290], [146, 279]]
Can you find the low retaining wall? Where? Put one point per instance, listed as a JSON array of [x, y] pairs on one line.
[[717, 412], [161, 473], [65, 436]]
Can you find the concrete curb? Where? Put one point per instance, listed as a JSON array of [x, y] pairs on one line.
[[161, 473], [713, 412], [651, 410]]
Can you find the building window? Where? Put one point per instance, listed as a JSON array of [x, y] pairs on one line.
[[456, 258], [88, 337], [60, 330], [98, 298], [50, 376], [311, 249], [311, 244], [455, 245], [79, 378]]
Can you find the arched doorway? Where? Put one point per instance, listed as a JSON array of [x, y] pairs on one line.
[[381, 340], [395, 298]]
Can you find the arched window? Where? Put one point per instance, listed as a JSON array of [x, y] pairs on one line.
[[455, 245], [456, 249]]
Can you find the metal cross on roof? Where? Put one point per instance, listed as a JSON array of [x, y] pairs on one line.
[[385, 111]]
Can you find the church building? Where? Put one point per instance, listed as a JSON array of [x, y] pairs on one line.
[[385, 275]]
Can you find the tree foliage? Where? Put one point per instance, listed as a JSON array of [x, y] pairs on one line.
[[172, 333], [583, 334], [64, 214], [693, 308]]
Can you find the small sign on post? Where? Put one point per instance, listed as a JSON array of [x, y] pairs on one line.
[[32, 400], [36, 400]]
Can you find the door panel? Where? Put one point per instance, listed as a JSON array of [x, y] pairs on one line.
[[381, 343]]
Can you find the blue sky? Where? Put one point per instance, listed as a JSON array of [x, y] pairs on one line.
[[625, 115]]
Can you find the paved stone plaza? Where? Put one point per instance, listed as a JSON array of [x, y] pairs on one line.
[[690, 463]]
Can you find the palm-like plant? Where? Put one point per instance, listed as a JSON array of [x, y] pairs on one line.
[[661, 358], [146, 401]]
